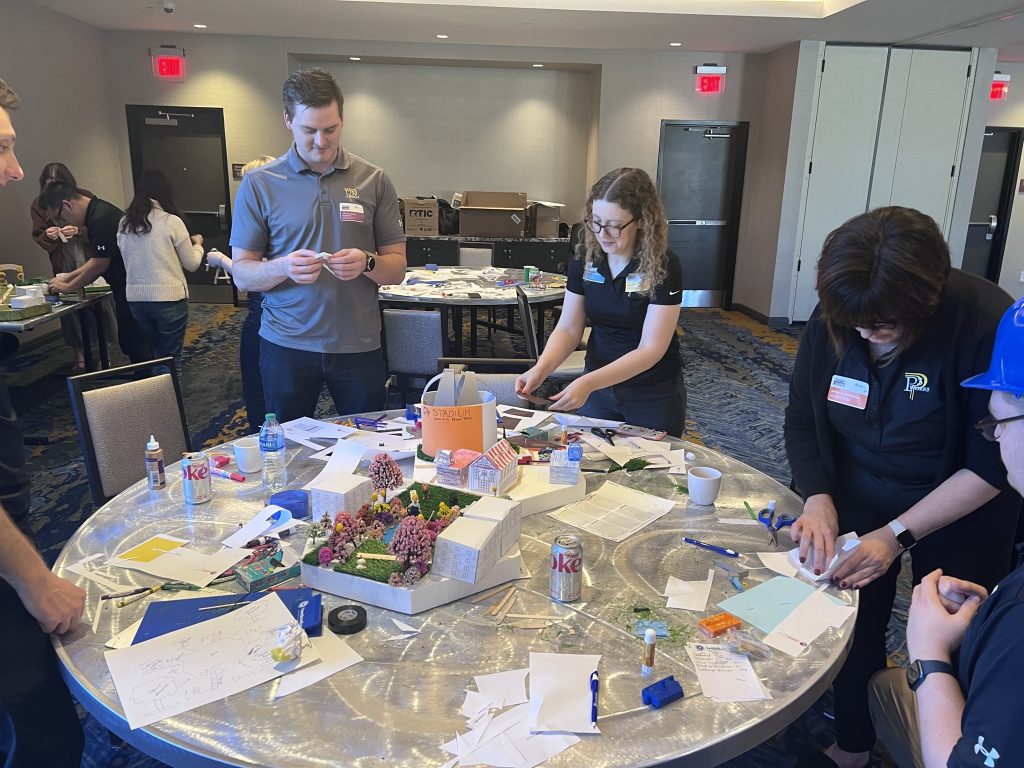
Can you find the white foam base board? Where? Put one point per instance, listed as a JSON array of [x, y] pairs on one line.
[[533, 490], [430, 592]]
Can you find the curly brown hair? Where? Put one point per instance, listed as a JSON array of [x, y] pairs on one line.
[[632, 190]]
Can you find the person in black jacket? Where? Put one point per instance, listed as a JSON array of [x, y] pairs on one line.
[[881, 438]]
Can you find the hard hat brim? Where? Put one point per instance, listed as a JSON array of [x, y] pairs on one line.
[[990, 380]]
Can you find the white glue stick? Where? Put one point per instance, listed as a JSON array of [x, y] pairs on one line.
[[650, 638]]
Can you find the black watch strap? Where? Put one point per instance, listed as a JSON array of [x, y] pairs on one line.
[[371, 261], [919, 670]]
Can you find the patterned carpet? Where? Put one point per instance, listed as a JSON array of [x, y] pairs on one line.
[[736, 375]]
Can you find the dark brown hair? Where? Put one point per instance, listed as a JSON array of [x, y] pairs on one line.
[[8, 98], [632, 190], [312, 87], [152, 185], [889, 265]]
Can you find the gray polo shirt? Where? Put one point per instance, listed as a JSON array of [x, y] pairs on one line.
[[285, 206]]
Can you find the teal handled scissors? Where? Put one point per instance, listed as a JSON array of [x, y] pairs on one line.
[[774, 522]]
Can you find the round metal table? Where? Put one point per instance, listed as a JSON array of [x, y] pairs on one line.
[[398, 706]]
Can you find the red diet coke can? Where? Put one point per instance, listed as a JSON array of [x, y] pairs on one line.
[[195, 478], [566, 580]]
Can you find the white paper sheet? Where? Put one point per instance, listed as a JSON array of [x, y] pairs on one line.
[[806, 623], [845, 546], [95, 569], [739, 521], [260, 523], [614, 512], [504, 689], [778, 562], [335, 655], [189, 566], [305, 428], [560, 693], [689, 595], [725, 676], [394, 445], [474, 705], [196, 665], [535, 419], [506, 741], [572, 420]]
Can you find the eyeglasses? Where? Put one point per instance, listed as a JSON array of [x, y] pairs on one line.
[[987, 426], [613, 230]]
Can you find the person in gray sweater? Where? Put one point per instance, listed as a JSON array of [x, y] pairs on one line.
[[156, 248]]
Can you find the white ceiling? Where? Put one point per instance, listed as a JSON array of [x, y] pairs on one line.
[[701, 25]]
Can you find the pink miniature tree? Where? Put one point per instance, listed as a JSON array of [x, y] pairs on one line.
[[411, 544], [385, 474]]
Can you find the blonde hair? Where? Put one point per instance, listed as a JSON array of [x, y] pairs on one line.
[[258, 162], [632, 190]]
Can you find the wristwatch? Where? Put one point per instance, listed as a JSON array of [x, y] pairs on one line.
[[903, 537], [919, 670], [371, 261]]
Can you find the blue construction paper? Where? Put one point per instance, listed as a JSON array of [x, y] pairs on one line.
[[660, 627], [767, 604], [168, 615]]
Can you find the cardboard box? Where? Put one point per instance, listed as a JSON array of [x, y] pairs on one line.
[[340, 493], [543, 218], [508, 515], [467, 550], [493, 214], [420, 217]]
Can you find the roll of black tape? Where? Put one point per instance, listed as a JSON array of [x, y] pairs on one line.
[[347, 619]]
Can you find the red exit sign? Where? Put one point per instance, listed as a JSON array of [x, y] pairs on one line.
[[710, 79], [168, 64]]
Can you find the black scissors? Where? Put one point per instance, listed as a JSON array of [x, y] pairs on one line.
[[607, 434]]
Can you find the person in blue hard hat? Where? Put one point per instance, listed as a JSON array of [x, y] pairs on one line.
[[957, 704], [880, 436]]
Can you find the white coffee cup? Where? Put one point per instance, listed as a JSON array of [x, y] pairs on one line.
[[247, 455], [703, 484]]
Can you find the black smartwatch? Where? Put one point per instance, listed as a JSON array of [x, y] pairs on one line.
[[919, 670], [903, 537], [371, 261]]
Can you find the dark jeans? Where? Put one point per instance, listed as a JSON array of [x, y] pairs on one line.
[[249, 361], [293, 378], [164, 324], [14, 482], [656, 406], [36, 708], [130, 337]]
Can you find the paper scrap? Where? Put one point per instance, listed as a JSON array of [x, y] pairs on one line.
[[148, 550], [506, 740], [725, 676], [503, 689], [260, 523], [405, 627], [94, 568], [561, 698], [475, 704], [778, 562], [335, 655], [767, 604], [817, 613], [189, 566], [642, 625], [572, 420], [689, 595], [845, 546], [190, 667]]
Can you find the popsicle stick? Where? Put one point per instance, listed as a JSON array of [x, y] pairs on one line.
[[374, 556], [534, 616], [489, 593], [504, 611], [499, 606], [530, 624]]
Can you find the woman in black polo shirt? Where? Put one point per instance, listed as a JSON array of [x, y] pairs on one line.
[[627, 284], [881, 439]]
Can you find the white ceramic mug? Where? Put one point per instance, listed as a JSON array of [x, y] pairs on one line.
[[247, 455], [703, 483]]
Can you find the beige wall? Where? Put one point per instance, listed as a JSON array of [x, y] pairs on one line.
[[1010, 114], [62, 118]]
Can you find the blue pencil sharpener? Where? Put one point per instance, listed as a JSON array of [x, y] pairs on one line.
[[662, 693]]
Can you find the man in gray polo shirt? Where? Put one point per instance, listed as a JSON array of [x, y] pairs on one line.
[[320, 322]]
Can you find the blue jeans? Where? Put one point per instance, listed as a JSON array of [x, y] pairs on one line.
[[293, 378], [163, 323], [659, 406]]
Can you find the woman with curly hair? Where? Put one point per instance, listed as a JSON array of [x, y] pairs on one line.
[[626, 283]]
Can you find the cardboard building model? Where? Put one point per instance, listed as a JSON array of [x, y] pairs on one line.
[[496, 471]]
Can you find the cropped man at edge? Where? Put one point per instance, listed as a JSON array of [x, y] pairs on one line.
[[41, 726], [102, 219], [320, 324], [956, 704]]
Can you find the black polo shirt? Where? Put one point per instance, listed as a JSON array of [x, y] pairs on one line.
[[102, 220], [990, 668], [617, 315]]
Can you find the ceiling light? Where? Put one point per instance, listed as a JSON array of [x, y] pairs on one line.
[[537, 66], [441, 37], [199, 26], [355, 58], [675, 45]]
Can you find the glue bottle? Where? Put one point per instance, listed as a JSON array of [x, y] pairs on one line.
[[154, 459], [650, 638]]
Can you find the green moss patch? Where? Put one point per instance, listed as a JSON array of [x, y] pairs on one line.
[[431, 500]]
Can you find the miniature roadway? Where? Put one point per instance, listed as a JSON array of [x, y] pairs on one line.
[[402, 702]]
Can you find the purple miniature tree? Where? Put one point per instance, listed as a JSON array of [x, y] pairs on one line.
[[385, 474], [411, 544]]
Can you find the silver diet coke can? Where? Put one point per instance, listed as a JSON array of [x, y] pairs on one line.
[[196, 486], [566, 580]]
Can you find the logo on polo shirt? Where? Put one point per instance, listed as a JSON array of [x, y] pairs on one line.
[[991, 755], [352, 192], [916, 382]]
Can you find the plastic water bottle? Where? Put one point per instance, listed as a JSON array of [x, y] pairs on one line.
[[275, 469]]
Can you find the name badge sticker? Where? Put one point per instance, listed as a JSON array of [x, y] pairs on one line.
[[591, 275], [634, 282], [851, 392], [351, 212]]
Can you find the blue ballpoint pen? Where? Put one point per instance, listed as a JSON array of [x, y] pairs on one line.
[[595, 683], [720, 550]]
